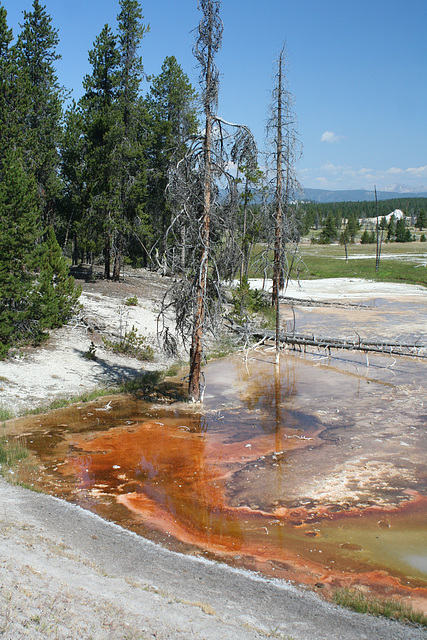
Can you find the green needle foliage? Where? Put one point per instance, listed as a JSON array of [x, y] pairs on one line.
[[19, 233], [36, 292], [55, 295]]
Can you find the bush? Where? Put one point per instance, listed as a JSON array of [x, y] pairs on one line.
[[132, 301], [423, 238], [247, 300], [132, 345]]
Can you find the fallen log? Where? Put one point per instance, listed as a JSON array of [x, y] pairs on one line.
[[324, 342], [309, 302]]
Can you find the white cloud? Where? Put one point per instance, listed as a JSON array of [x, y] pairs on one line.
[[330, 136], [417, 171], [336, 177]]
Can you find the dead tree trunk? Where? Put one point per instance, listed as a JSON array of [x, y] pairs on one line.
[[210, 34], [118, 257], [107, 256], [281, 128], [278, 231], [301, 340], [194, 385], [378, 238]]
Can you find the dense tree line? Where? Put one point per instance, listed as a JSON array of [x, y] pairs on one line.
[[315, 215], [36, 292], [90, 176], [117, 147]]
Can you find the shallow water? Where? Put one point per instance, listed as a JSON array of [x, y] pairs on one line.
[[315, 474]]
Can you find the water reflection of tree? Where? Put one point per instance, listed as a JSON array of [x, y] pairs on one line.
[[267, 390], [168, 466]]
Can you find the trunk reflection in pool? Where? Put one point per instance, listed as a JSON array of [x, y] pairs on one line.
[[316, 474]]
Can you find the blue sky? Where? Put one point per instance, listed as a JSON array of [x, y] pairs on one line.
[[357, 71]]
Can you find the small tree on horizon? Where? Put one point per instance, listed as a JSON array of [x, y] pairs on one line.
[[329, 231], [403, 234], [421, 221]]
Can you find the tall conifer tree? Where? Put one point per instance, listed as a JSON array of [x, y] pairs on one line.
[[172, 121], [99, 113], [41, 107], [7, 137], [74, 192], [19, 231], [130, 149]]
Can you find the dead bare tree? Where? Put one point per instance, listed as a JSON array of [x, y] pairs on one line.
[[379, 237], [200, 237], [281, 131]]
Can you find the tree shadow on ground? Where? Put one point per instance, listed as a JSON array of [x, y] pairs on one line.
[[141, 383]]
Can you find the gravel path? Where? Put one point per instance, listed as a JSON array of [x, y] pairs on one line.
[[68, 574]]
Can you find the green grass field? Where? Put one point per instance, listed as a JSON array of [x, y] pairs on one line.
[[400, 262]]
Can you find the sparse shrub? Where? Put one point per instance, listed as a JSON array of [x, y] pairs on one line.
[[131, 344], [91, 352], [174, 369], [132, 301], [423, 238], [223, 347]]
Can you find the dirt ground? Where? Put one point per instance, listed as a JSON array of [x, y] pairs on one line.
[[33, 377], [66, 573]]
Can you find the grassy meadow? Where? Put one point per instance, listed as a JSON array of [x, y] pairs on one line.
[[400, 262]]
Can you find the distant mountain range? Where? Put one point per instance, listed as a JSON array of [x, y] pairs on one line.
[[357, 195]]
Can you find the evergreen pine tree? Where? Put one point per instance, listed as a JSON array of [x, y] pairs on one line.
[[391, 229], [353, 225], [36, 292], [19, 232], [74, 191], [54, 296], [403, 234], [421, 222], [130, 167], [329, 231], [41, 104], [6, 88], [99, 108], [172, 120]]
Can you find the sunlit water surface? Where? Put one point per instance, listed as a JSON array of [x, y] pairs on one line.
[[315, 473]]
